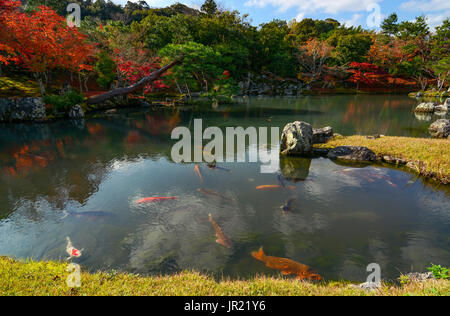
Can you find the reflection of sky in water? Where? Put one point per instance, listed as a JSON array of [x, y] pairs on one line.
[[343, 219]]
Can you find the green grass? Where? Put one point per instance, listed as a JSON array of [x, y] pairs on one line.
[[49, 278], [428, 157]]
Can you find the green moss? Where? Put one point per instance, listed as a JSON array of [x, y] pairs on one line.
[[18, 87], [49, 278]]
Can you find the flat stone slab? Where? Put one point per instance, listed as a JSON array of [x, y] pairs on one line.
[[352, 153]]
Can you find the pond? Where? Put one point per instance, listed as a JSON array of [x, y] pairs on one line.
[[342, 217]]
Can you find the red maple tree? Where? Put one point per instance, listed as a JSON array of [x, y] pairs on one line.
[[41, 41], [134, 68]]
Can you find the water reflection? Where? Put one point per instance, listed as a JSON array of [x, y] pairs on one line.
[[344, 217]]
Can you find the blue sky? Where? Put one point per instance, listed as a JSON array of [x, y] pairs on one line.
[[350, 12]]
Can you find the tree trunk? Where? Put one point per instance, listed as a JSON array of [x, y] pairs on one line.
[[40, 82], [127, 90]]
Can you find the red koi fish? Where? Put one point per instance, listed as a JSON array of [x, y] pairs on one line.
[[155, 199], [197, 170], [71, 250], [287, 266]]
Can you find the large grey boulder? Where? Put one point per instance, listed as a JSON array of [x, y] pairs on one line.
[[297, 139], [352, 153], [428, 107], [440, 128], [322, 135], [76, 112]]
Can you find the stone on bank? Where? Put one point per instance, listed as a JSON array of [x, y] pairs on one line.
[[297, 139], [25, 109], [440, 129]]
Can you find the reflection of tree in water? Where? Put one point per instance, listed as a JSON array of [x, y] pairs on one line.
[[63, 164]]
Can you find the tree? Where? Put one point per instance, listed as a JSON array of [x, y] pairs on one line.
[[200, 65], [106, 70], [312, 58], [133, 70], [415, 68], [389, 26], [209, 7], [277, 55], [41, 41], [134, 87], [442, 72], [440, 52], [352, 48], [361, 73]]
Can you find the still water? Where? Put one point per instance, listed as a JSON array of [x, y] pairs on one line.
[[343, 217]]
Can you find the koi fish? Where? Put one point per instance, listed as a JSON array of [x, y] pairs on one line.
[[281, 180], [288, 206], [287, 266], [214, 193], [222, 239], [214, 167], [391, 184], [90, 214], [197, 170], [71, 250], [155, 199], [273, 187]]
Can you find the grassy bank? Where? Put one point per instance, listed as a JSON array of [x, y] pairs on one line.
[[428, 157], [49, 278]]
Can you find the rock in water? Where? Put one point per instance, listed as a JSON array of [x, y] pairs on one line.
[[352, 153], [440, 128], [425, 107], [297, 139], [76, 112], [322, 135]]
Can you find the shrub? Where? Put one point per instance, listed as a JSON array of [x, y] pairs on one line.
[[63, 103]]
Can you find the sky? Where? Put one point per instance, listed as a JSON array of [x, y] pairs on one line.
[[367, 13]]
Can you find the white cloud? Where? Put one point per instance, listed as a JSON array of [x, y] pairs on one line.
[[435, 10], [354, 21], [326, 6], [426, 5]]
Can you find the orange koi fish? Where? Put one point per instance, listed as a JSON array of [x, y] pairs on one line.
[[197, 170], [214, 193], [71, 250], [222, 239], [155, 199], [287, 266], [273, 187]]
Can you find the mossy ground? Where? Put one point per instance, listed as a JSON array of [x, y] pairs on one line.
[[18, 86], [49, 278], [430, 156]]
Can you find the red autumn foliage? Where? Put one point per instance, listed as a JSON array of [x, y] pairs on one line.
[[134, 69], [364, 73], [41, 40]]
